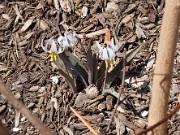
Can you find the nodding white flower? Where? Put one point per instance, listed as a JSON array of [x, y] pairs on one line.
[[68, 40], [107, 51], [52, 48]]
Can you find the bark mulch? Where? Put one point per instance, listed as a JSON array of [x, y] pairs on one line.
[[26, 70]]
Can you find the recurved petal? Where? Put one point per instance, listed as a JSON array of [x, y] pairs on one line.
[[43, 47], [72, 39], [111, 53], [53, 46], [98, 45], [60, 40], [105, 54], [114, 47], [63, 42]]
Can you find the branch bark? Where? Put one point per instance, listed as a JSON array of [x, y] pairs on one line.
[[164, 66]]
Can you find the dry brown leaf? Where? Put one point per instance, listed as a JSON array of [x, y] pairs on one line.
[[127, 18], [41, 4], [55, 103], [120, 127], [17, 119], [29, 35], [68, 130], [56, 4], [138, 82], [150, 63], [139, 31], [49, 2], [34, 88], [26, 25], [77, 1], [43, 25], [19, 16], [2, 6], [65, 5], [3, 67], [6, 16], [111, 6], [84, 11]]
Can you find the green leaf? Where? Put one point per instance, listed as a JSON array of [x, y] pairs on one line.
[[115, 72], [74, 65], [63, 71], [131, 53], [100, 75], [60, 64]]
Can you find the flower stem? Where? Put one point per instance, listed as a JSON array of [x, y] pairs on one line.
[[105, 75]]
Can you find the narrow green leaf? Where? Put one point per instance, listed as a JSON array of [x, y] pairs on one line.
[[74, 65], [63, 71], [115, 72], [130, 54], [60, 64], [100, 75]]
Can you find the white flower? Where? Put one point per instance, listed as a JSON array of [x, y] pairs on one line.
[[52, 48], [107, 51], [68, 40]]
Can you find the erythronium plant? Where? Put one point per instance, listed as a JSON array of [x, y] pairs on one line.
[[107, 52], [71, 67]]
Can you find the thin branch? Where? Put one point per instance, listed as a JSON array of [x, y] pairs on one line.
[[84, 121], [160, 122], [23, 109], [93, 34], [105, 74], [164, 66]]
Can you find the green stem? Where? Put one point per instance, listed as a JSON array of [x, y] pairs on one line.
[[105, 75]]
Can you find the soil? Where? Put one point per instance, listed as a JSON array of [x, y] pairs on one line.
[[26, 70]]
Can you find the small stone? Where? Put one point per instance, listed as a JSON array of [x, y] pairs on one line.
[[144, 113], [102, 106], [92, 91], [16, 129], [55, 79], [81, 100]]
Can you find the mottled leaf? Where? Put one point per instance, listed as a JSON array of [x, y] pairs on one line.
[[74, 65], [115, 72]]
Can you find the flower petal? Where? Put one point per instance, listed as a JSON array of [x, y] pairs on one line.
[[104, 54], [71, 38], [60, 50], [114, 47], [111, 53], [98, 45], [53, 46], [63, 42], [43, 47]]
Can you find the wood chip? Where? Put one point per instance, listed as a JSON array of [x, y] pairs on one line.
[[26, 25]]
